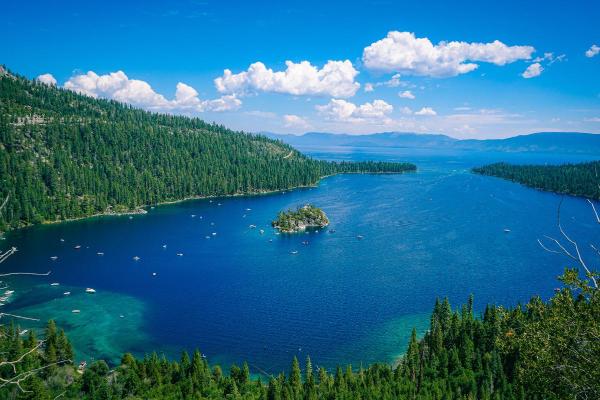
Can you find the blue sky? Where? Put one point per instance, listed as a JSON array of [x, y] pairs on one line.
[[353, 67]]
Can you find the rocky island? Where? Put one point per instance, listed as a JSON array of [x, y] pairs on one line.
[[304, 217]]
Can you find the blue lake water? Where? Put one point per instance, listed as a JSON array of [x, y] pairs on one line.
[[237, 294]]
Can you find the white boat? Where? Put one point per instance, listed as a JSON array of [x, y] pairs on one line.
[[219, 204], [164, 246], [359, 237], [179, 254], [294, 252], [248, 209], [54, 284], [9, 292], [54, 258], [90, 290], [76, 311], [207, 237], [506, 230], [67, 293], [100, 253], [193, 215], [62, 240], [252, 226], [262, 231], [77, 247], [214, 233], [136, 258], [154, 274], [24, 331]]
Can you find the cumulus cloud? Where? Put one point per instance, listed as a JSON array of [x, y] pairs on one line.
[[407, 94], [592, 51], [426, 111], [369, 87], [532, 71], [48, 79], [336, 78], [550, 58], [402, 52], [118, 86], [342, 110], [295, 121]]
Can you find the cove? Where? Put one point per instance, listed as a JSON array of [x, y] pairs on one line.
[[237, 294]]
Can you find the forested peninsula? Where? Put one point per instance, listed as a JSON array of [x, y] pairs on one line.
[[65, 155], [573, 179]]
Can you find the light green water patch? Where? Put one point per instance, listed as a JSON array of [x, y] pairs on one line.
[[107, 325], [387, 343]]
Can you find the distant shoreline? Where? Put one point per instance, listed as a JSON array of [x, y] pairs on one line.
[[141, 210]]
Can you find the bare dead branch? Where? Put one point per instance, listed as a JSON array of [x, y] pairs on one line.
[[575, 253], [595, 212], [27, 273], [18, 316]]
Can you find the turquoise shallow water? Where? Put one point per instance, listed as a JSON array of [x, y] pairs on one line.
[[239, 295]]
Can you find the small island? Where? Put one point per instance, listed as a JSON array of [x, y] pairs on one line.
[[304, 217]]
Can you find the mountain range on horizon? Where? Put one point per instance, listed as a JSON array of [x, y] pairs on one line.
[[569, 142]]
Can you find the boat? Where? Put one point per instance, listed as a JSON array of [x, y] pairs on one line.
[[54, 258], [90, 290], [252, 226], [24, 331], [77, 247], [67, 293], [121, 316], [54, 284], [164, 246], [214, 233], [261, 231], [100, 253], [506, 230], [179, 254], [130, 217], [294, 252], [359, 237], [193, 215], [154, 274], [207, 237], [248, 209], [76, 311], [62, 240], [305, 242], [9, 292], [136, 258], [219, 204]]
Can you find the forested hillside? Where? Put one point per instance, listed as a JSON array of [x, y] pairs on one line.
[[539, 351], [574, 179], [66, 155]]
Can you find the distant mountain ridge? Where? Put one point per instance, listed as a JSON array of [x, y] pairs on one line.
[[571, 142]]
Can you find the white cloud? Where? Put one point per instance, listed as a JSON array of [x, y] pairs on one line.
[[592, 51], [407, 94], [402, 52], [369, 87], [48, 79], [118, 86], [593, 119], [336, 78], [295, 121], [342, 110], [426, 111], [532, 71], [406, 111], [550, 58]]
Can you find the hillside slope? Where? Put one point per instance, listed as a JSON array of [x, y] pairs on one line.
[[65, 155]]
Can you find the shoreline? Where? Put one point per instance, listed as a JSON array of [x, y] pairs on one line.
[[141, 210]]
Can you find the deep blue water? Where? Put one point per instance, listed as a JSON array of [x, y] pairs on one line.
[[240, 295]]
